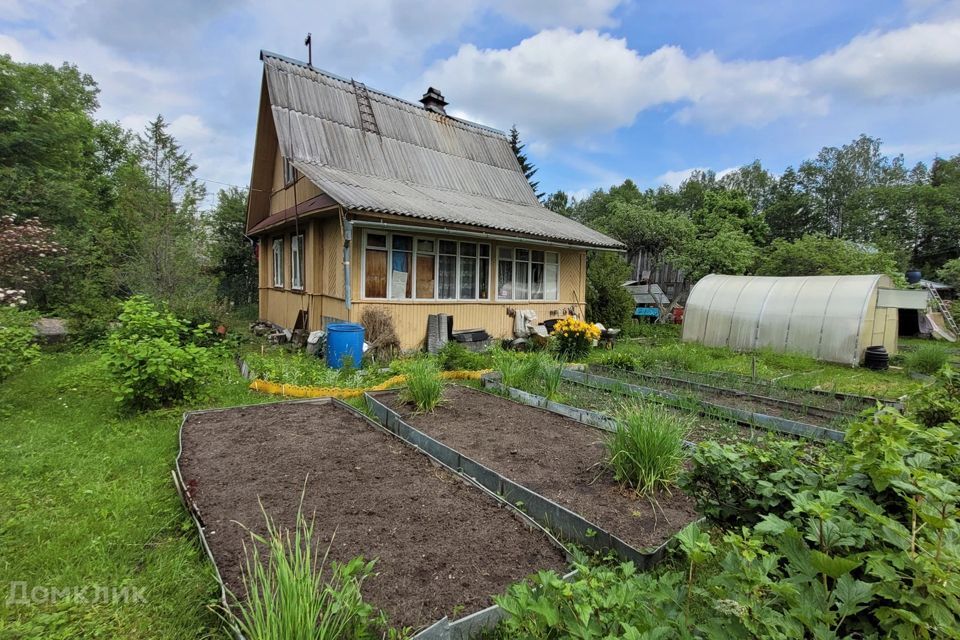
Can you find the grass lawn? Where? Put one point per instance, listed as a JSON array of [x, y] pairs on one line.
[[86, 501]]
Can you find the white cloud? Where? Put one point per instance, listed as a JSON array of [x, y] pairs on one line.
[[12, 46], [921, 59], [677, 177], [541, 14], [559, 84], [190, 129]]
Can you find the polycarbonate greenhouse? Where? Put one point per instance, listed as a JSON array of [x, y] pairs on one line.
[[833, 318]]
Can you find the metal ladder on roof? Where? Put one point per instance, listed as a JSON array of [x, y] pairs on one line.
[[367, 120], [944, 309]]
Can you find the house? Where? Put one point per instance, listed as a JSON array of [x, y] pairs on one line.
[[359, 199]]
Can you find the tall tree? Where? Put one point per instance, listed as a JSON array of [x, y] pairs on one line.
[[47, 142], [558, 202], [789, 212], [525, 165], [818, 254], [644, 229], [837, 173], [231, 253], [163, 194], [753, 181]]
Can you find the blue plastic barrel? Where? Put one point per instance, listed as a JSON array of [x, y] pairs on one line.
[[344, 344]]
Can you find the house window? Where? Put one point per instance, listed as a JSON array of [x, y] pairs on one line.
[[524, 274], [404, 267], [375, 263], [447, 271], [289, 173], [401, 267], [426, 269], [296, 262], [278, 262]]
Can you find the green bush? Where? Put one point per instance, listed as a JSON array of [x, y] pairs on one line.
[[600, 602], [736, 484], [293, 592], [89, 322], [424, 386], [154, 358], [856, 541], [453, 356], [949, 273], [646, 451], [608, 302], [939, 402], [926, 359], [17, 340]]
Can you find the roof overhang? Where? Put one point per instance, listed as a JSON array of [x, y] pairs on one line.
[[467, 232], [306, 208]]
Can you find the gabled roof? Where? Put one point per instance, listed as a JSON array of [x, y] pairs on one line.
[[410, 162]]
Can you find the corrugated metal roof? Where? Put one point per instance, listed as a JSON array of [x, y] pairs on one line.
[[646, 293], [422, 164]]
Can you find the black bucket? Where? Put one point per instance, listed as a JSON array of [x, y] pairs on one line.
[[876, 358]]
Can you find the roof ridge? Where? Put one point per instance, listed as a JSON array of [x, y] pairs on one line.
[[323, 72], [398, 140]]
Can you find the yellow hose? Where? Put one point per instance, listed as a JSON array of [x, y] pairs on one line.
[[296, 391]]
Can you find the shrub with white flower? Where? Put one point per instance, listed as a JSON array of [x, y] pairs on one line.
[[24, 248]]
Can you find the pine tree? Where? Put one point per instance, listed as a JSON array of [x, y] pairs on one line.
[[525, 165]]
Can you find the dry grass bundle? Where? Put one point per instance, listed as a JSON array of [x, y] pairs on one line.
[[381, 334]]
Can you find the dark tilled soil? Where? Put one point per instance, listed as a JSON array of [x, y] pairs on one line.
[[443, 547], [557, 457]]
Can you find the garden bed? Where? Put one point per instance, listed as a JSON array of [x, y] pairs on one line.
[[609, 403], [442, 546], [820, 410], [554, 456], [702, 402]]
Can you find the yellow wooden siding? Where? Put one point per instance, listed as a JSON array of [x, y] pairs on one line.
[[410, 316], [281, 196], [410, 319], [332, 249]]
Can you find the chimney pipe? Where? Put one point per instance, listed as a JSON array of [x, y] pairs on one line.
[[433, 101]]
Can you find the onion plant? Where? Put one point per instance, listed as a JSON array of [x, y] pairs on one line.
[[517, 370], [424, 385], [295, 592], [646, 451], [551, 375]]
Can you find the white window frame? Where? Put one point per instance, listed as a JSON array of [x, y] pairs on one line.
[[529, 269], [277, 248], [297, 262], [289, 173], [436, 268]]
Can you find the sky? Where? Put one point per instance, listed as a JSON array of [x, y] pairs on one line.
[[601, 90]]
